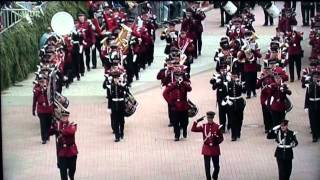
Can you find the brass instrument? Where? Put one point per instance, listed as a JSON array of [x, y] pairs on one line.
[[124, 37]]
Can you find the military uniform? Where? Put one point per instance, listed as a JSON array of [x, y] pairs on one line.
[[67, 150], [218, 84], [118, 91], [278, 107], [87, 31], [235, 105], [44, 110], [295, 54], [176, 96], [212, 137], [264, 82], [249, 61], [284, 154], [312, 103], [171, 38]]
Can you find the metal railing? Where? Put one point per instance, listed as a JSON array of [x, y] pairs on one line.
[[164, 10], [11, 16]]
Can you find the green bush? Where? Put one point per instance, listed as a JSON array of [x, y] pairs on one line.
[[19, 46]]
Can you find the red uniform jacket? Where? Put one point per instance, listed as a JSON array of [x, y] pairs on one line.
[[68, 53], [285, 24], [40, 101], [294, 45], [187, 25], [265, 84], [190, 47], [250, 66], [66, 145], [315, 43], [212, 137], [278, 95], [177, 95], [111, 24], [87, 33]]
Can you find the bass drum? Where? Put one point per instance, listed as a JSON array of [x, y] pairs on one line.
[[193, 109], [272, 10], [130, 104], [229, 7]]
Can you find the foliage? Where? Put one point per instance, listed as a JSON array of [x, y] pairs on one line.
[[19, 46]]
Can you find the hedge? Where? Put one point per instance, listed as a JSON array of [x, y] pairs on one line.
[[19, 46]]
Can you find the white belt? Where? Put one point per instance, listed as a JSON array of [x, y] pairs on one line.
[[234, 98], [117, 99], [168, 44], [284, 146], [75, 42], [314, 99]]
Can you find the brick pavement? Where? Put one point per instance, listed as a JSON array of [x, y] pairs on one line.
[[148, 150]]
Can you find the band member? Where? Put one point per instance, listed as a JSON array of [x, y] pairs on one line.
[[43, 108], [307, 11], [118, 90], [287, 19], [198, 16], [87, 31], [222, 54], [176, 95], [170, 34], [186, 47], [68, 60], [249, 58], [67, 151], [295, 53], [264, 82], [275, 56], [286, 140], [217, 82], [166, 75], [312, 104], [307, 72], [279, 92], [235, 105], [212, 137]]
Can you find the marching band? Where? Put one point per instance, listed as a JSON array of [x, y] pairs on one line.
[[126, 45]]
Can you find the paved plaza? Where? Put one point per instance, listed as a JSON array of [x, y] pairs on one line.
[[148, 151]]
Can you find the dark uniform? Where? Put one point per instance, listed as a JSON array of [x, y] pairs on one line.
[[218, 84], [312, 103], [235, 105], [212, 137], [118, 91], [171, 37], [307, 11], [286, 140]]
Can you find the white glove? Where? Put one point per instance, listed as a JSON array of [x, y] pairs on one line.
[[228, 78], [218, 80], [81, 49], [93, 46], [306, 110]]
